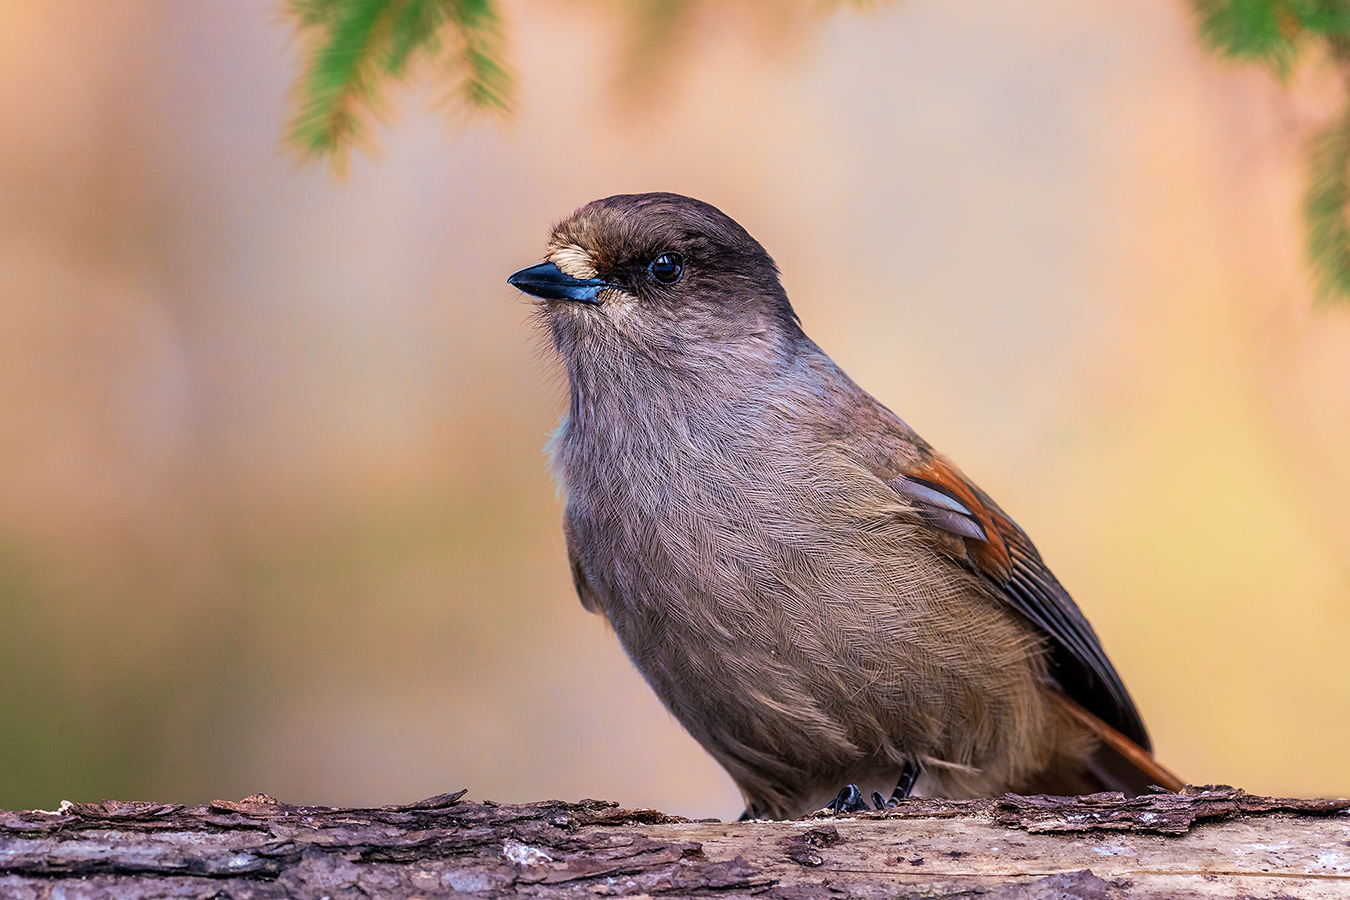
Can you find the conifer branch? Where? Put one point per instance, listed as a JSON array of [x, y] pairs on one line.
[[357, 46], [1277, 34]]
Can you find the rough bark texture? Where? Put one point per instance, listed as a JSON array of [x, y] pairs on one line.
[[1208, 842]]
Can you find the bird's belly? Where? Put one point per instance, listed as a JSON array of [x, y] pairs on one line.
[[805, 651], [785, 647]]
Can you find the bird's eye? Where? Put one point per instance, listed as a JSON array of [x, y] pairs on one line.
[[667, 268]]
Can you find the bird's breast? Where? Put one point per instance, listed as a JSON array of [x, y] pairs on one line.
[[750, 540]]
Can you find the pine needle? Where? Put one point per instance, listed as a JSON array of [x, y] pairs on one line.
[[357, 46], [1277, 34]]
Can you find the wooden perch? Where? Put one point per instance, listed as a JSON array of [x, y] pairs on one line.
[[1207, 842]]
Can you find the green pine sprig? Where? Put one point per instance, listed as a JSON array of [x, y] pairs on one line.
[[1278, 34], [357, 46]]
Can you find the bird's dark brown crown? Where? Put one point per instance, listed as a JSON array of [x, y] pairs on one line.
[[619, 238]]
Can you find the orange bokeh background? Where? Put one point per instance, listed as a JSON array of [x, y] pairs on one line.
[[273, 512]]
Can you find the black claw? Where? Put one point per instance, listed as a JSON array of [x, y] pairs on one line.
[[850, 799], [745, 816], [878, 802]]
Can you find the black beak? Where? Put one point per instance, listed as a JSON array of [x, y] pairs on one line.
[[552, 283]]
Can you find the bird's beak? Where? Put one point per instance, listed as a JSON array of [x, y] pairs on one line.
[[552, 283]]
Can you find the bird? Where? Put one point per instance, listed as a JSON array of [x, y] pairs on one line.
[[828, 605]]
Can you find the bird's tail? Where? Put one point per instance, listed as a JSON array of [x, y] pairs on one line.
[[1119, 764]]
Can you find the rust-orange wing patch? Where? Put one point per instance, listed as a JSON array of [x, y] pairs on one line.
[[981, 536], [947, 501]]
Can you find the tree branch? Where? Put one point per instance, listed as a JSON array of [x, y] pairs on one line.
[[1102, 846]]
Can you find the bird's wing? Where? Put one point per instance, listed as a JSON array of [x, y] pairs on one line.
[[589, 598], [983, 538]]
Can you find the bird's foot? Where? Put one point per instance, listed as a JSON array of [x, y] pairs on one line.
[[902, 788], [907, 780], [850, 799]]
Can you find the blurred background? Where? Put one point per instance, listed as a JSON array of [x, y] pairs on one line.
[[273, 510]]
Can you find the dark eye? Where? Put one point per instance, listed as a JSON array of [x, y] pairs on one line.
[[667, 268]]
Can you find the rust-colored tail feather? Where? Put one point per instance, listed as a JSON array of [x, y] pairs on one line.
[[1120, 764]]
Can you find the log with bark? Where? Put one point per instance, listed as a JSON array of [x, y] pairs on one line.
[[1208, 842]]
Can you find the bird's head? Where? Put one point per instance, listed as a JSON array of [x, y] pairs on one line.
[[664, 275]]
